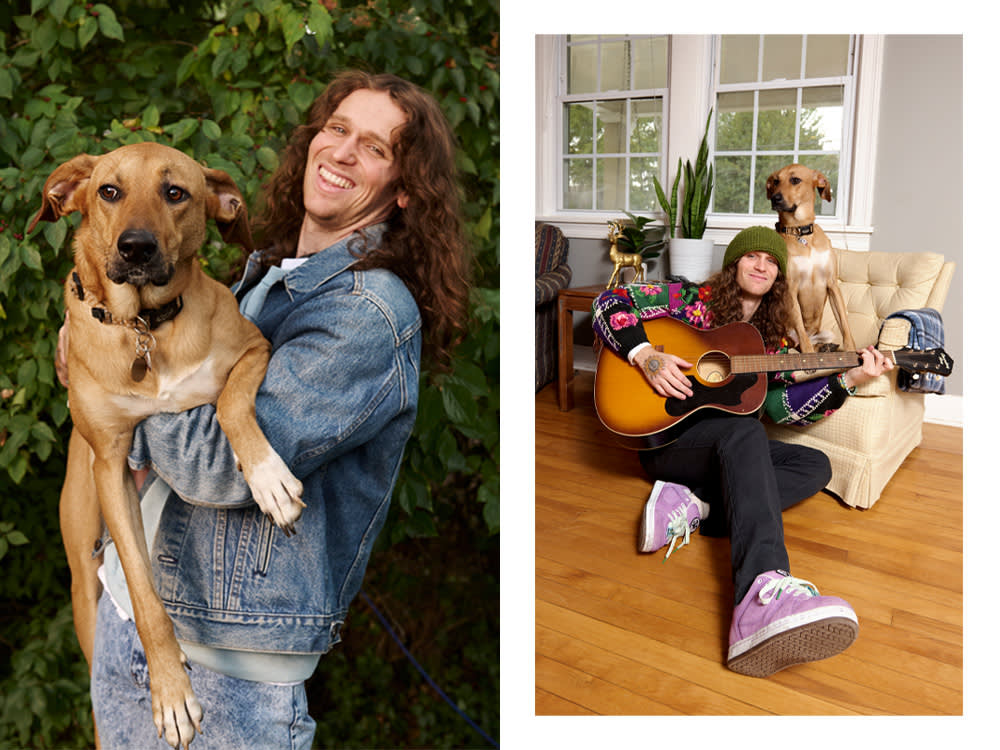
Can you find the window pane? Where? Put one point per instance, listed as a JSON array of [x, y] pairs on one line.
[[615, 67], [611, 181], [734, 126], [581, 77], [649, 61], [611, 127], [579, 129], [732, 184], [827, 55], [822, 118], [578, 189], [738, 58], [782, 57], [776, 127], [642, 194], [766, 165], [647, 124]]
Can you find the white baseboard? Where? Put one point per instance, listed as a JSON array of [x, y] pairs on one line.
[[946, 410]]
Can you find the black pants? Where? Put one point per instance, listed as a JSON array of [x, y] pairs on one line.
[[748, 480]]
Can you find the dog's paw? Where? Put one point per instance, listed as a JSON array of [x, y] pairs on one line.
[[277, 492], [177, 720]]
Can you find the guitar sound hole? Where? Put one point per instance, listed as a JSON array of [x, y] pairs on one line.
[[713, 367]]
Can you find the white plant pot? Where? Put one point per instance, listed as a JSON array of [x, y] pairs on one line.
[[691, 259]]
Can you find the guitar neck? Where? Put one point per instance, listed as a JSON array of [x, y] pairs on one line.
[[812, 361]]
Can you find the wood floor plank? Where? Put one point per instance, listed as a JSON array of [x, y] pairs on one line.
[[624, 633]]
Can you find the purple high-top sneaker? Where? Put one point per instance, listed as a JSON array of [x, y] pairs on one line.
[[672, 512], [784, 621]]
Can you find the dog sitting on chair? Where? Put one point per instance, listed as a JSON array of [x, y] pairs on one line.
[[812, 263]]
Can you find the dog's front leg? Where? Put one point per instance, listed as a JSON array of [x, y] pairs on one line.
[[797, 323], [176, 711], [274, 488], [80, 524], [840, 313]]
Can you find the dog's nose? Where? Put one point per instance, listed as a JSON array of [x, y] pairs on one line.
[[137, 245]]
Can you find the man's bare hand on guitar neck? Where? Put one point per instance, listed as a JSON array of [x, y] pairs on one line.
[[664, 372]]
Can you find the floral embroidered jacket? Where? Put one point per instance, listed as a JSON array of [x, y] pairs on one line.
[[618, 316]]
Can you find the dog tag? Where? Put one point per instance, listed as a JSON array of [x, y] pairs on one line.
[[139, 369]]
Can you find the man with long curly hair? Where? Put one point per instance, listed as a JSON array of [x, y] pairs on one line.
[[720, 472], [363, 273]]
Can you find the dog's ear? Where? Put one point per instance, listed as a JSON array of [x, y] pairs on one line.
[[225, 204], [63, 191], [769, 185], [822, 186]]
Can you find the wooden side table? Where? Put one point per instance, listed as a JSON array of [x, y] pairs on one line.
[[579, 299]]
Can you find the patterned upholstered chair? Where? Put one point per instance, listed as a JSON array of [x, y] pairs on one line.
[[869, 437], [552, 273]]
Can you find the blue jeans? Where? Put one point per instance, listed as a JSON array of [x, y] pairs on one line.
[[238, 713]]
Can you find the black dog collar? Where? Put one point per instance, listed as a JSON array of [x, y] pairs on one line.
[[797, 231], [154, 317]]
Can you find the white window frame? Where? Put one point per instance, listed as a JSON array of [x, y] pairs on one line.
[[629, 96], [690, 89]]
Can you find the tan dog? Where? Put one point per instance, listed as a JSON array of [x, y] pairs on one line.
[[151, 332], [812, 263]]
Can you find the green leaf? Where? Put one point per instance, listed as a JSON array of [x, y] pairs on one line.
[[267, 158], [87, 31], [211, 130], [182, 130], [151, 116], [108, 22], [301, 95], [293, 26], [17, 538], [6, 84]]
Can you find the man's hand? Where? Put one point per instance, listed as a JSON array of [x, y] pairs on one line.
[[663, 372], [873, 364]]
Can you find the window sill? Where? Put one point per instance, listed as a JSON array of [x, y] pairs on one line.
[[594, 225]]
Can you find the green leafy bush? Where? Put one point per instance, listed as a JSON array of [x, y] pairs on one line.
[[226, 82]]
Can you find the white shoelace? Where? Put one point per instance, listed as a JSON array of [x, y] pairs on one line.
[[677, 528], [778, 586]]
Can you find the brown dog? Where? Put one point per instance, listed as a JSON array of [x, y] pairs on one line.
[[812, 263], [151, 332]]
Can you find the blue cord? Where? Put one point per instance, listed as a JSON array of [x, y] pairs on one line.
[[424, 674]]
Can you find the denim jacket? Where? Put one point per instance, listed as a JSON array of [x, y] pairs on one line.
[[338, 404]]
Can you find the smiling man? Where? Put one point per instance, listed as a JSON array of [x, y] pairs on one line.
[[362, 275]]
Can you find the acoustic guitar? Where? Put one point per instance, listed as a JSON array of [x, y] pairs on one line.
[[728, 375]]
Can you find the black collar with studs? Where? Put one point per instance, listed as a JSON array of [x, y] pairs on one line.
[[797, 231], [154, 317]]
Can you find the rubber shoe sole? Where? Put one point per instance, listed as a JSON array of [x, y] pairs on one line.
[[809, 642]]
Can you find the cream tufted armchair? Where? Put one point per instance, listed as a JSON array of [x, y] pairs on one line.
[[868, 438]]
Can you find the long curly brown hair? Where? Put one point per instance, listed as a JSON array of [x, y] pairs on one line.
[[425, 243], [772, 316]]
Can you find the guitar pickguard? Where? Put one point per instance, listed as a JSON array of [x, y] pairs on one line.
[[729, 394]]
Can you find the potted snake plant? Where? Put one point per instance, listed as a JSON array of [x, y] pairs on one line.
[[691, 255]]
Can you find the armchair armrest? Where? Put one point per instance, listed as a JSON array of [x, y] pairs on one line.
[[547, 285], [895, 334]]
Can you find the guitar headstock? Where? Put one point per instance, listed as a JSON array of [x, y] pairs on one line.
[[937, 361]]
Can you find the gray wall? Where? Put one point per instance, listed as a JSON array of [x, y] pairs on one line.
[[918, 177], [917, 202]]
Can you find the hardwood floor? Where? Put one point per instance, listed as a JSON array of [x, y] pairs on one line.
[[620, 633]]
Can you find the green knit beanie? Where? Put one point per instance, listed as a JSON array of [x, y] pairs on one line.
[[763, 239]]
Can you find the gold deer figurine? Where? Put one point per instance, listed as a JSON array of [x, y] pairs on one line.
[[620, 259]]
